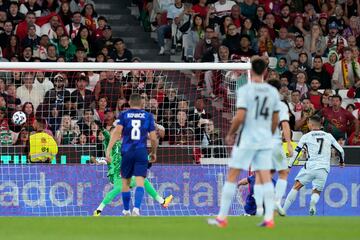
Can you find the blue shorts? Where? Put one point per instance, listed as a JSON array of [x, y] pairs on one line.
[[134, 163]]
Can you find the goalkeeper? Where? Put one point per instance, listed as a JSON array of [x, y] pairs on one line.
[[115, 178]]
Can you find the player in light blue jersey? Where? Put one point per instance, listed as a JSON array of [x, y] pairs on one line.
[[278, 156], [255, 122], [317, 144], [134, 126]]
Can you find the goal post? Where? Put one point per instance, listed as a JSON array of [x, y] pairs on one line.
[[193, 104]]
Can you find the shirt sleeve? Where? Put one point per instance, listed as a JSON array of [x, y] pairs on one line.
[[241, 98], [277, 101], [121, 120]]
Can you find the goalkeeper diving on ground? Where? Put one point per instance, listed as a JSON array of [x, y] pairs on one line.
[[115, 178]]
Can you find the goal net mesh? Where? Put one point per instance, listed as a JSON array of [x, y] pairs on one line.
[[192, 108]]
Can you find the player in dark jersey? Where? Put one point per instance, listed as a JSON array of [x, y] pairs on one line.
[[134, 127]]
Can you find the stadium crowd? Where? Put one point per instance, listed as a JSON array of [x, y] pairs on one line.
[[311, 47]]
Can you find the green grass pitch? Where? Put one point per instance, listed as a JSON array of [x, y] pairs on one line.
[[176, 228]]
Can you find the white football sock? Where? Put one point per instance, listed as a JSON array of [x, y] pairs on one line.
[[159, 199], [290, 199], [280, 189], [269, 194], [228, 193], [314, 199], [101, 207], [259, 196]]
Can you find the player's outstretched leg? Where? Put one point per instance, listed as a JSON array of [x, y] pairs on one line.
[[149, 188], [315, 196], [109, 197], [228, 193], [292, 195]]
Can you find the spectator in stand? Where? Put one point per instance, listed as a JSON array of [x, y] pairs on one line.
[[200, 8], [78, 5], [334, 41], [354, 93], [51, 53], [191, 39], [13, 14], [59, 94], [248, 28], [307, 111], [99, 113], [245, 47], [329, 66], [49, 28], [80, 55], [41, 50], [225, 22], [66, 48], [121, 53], [351, 108], [90, 17], [26, 54], [68, 131], [284, 20], [353, 28], [101, 24], [300, 84], [270, 25], [173, 12], [65, 13], [12, 100], [74, 26], [106, 41], [248, 8], [49, 6], [27, 92], [22, 28], [204, 44], [43, 82], [211, 137], [223, 7], [315, 42], [31, 6], [313, 94], [282, 43], [212, 54], [13, 48], [281, 66], [259, 19], [232, 39], [294, 52], [23, 137], [86, 121], [31, 39], [346, 71], [351, 8], [351, 41], [5, 35], [5, 134], [180, 132], [264, 45], [109, 119], [198, 112], [54, 119], [59, 32], [337, 120], [83, 41], [28, 109], [82, 97], [110, 87], [320, 73]]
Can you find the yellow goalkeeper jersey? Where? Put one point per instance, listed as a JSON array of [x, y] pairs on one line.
[[43, 147]]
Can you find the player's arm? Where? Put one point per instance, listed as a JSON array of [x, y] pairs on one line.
[[340, 151], [115, 136], [298, 150], [285, 126], [154, 145], [237, 121], [275, 122]]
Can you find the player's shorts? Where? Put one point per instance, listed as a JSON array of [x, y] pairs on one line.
[[278, 157], [316, 176], [258, 159], [134, 163]]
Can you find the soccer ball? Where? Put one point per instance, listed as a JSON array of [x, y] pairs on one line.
[[19, 118]]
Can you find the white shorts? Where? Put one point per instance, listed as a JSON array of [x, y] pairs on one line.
[[278, 157], [257, 159], [316, 176]]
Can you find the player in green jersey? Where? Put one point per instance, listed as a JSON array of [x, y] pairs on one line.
[[115, 178]]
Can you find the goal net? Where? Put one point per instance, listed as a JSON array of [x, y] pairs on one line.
[[192, 103]]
